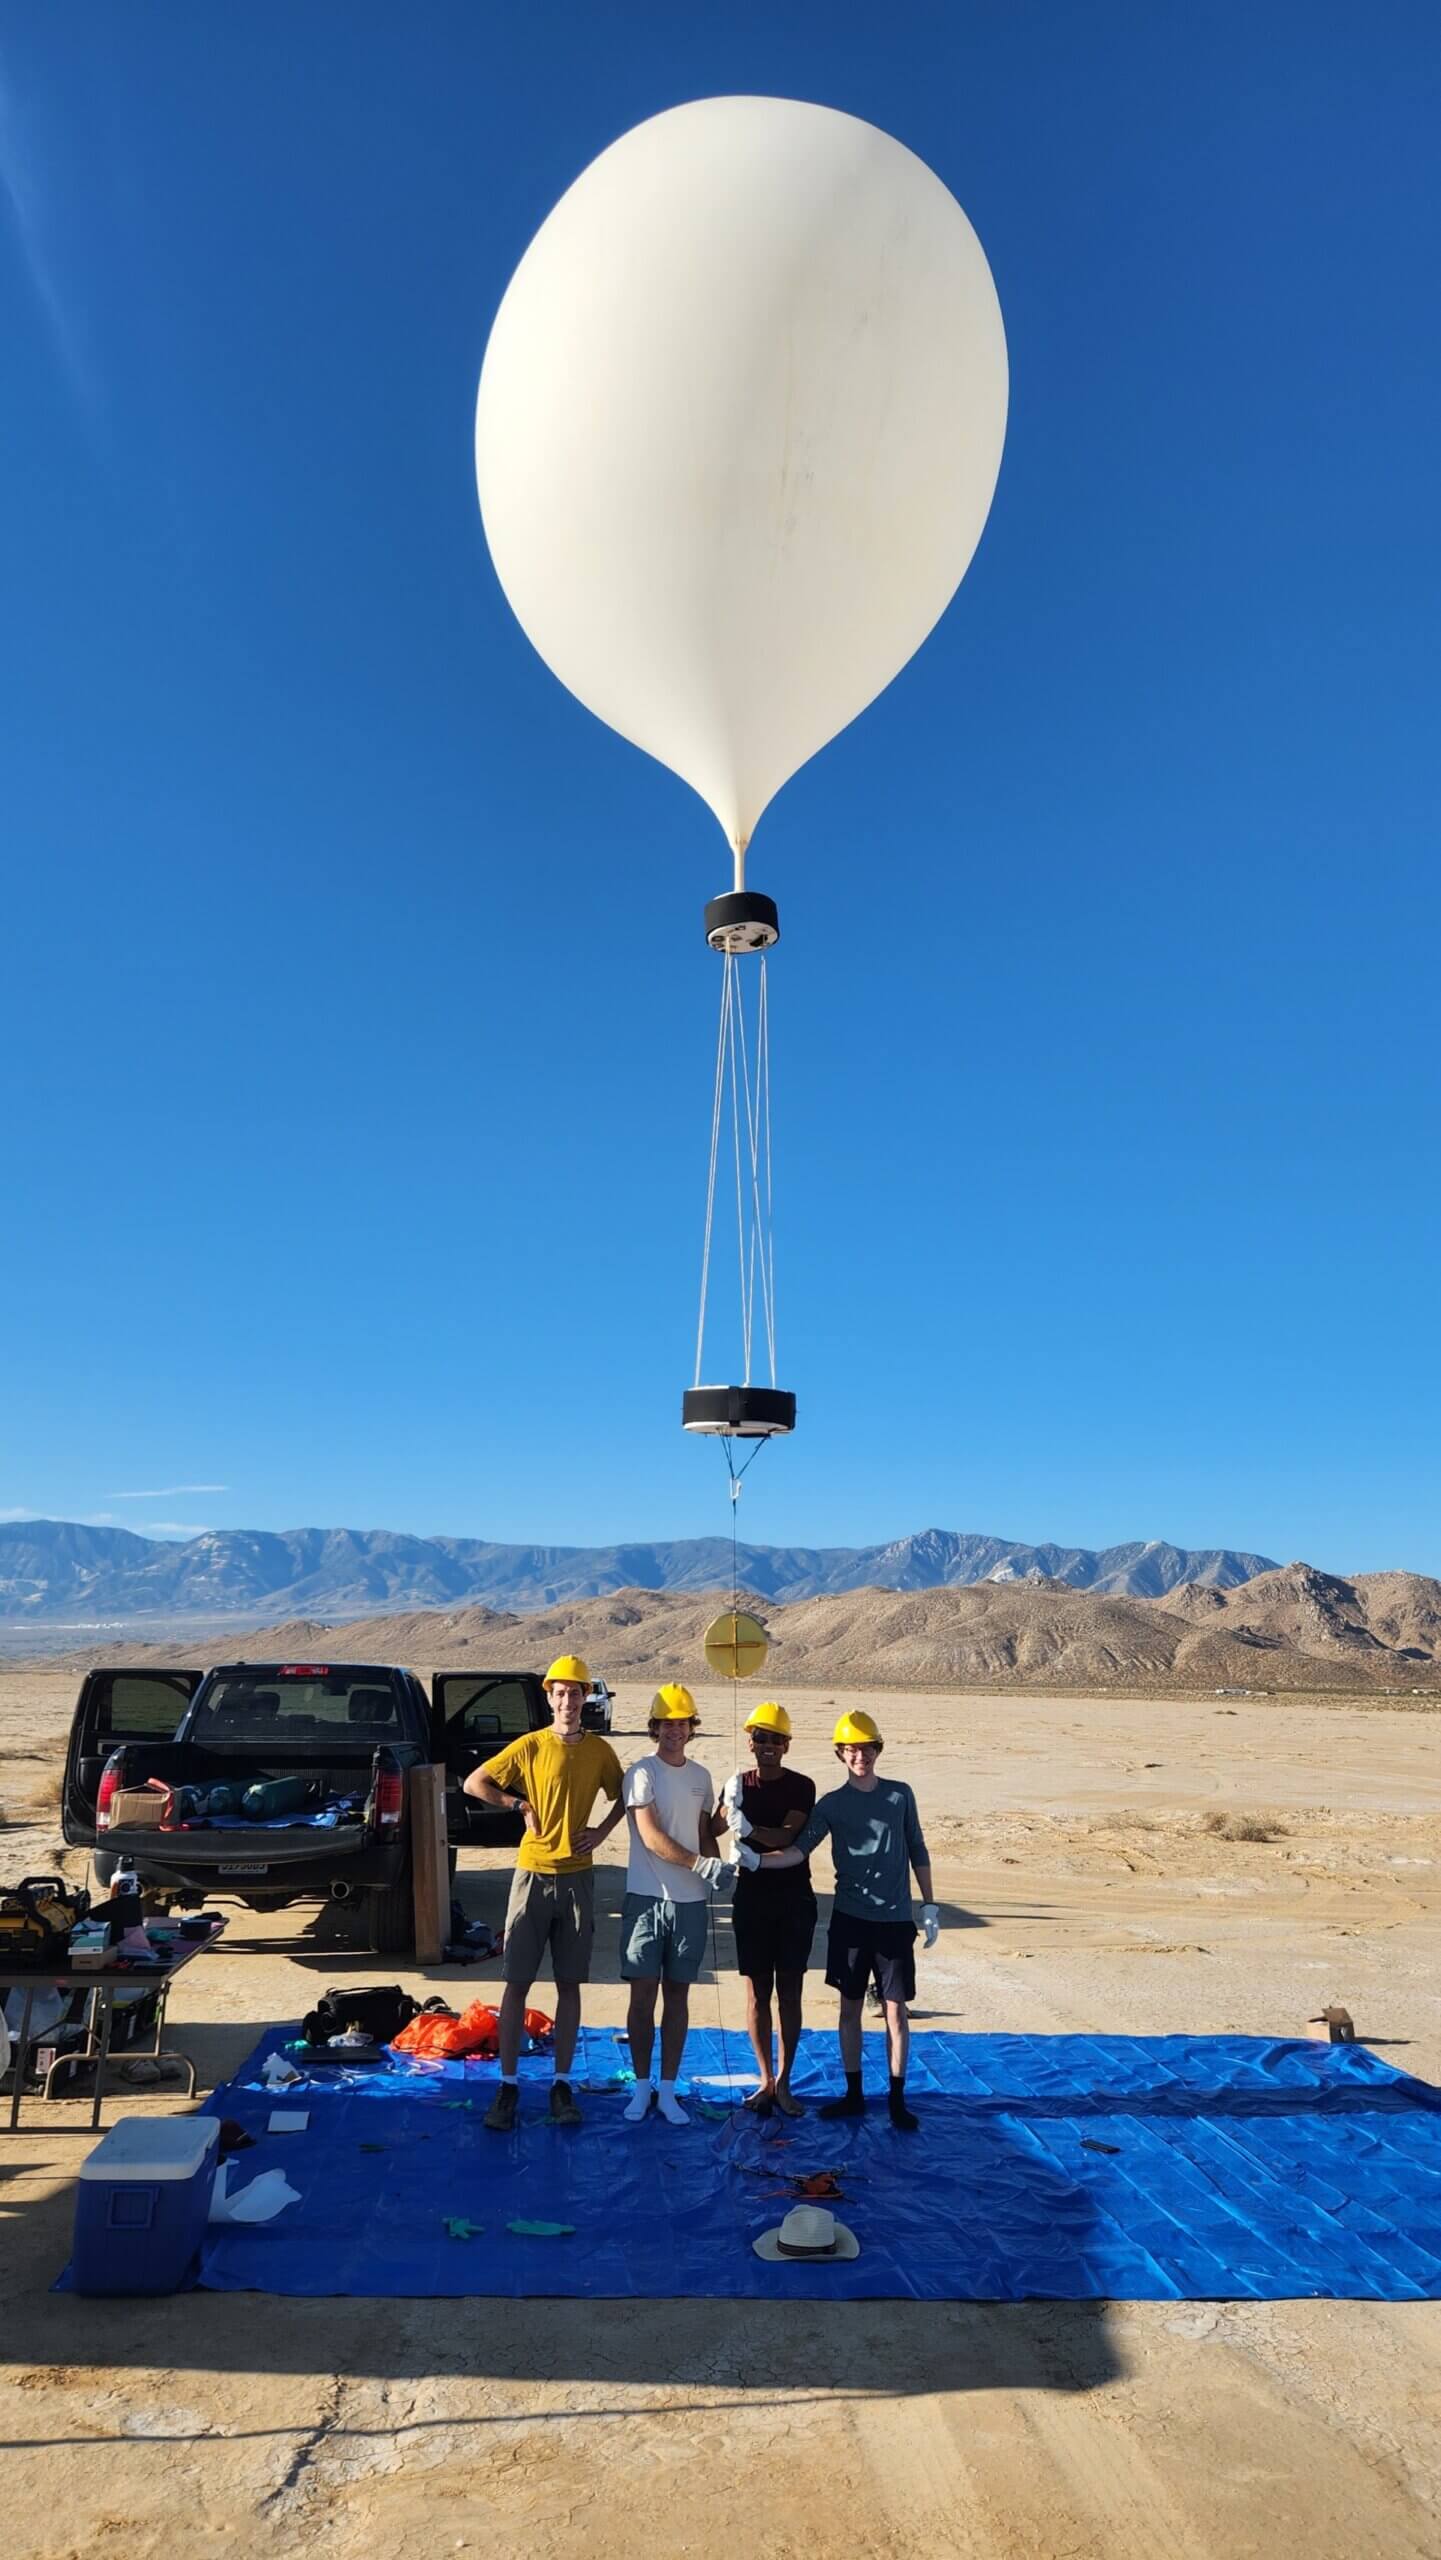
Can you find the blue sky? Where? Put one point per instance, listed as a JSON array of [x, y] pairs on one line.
[[353, 1166]]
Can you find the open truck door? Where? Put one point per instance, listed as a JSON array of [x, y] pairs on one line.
[[115, 1707], [476, 1713]]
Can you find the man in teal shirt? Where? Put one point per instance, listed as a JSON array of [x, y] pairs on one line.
[[876, 1841]]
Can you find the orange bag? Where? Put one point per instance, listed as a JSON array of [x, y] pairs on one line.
[[538, 2025], [443, 2037], [479, 2030], [425, 2034]]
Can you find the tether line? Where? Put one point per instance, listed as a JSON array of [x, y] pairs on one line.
[[715, 1126], [742, 1077]]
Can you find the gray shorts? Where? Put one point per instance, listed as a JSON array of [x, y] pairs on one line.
[[662, 1941], [549, 1911]]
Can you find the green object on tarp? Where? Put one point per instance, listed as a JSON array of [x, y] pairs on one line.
[[459, 2229], [270, 1797], [542, 2230]]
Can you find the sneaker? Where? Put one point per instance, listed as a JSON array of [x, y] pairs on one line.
[[563, 2109], [501, 2113]]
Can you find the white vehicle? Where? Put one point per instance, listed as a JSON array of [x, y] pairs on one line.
[[598, 1713]]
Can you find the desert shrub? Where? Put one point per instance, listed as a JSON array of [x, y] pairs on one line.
[[1243, 1826], [46, 1797]]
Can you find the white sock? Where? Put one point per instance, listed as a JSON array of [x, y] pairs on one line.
[[639, 2107], [670, 2105], [509, 2080]]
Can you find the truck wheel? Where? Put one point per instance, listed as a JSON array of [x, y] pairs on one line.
[[392, 1918], [103, 1863]]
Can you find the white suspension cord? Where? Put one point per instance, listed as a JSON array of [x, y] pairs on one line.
[[770, 1232], [746, 1071], [743, 1093], [737, 1017], [757, 1117], [715, 1122]]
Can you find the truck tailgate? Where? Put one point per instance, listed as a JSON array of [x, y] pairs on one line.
[[237, 1852]]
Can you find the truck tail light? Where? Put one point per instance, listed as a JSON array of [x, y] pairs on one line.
[[105, 1793], [388, 1798]]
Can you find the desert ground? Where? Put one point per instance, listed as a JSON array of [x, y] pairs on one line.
[[1121, 1865]]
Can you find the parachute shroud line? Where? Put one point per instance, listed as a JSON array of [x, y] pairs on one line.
[[748, 1409]]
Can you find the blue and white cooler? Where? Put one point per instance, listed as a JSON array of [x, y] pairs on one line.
[[143, 2204]]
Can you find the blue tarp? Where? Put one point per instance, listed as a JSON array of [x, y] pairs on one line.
[[1066, 2167]]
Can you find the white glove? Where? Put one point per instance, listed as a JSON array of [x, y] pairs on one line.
[[748, 1858], [714, 1872], [930, 1922], [740, 1823]]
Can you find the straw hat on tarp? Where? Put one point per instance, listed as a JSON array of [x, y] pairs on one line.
[[808, 2233]]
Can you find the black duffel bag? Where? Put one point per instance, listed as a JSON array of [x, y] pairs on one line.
[[378, 2011]]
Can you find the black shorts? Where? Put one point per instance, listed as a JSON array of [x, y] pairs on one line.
[[857, 1950], [773, 1932]]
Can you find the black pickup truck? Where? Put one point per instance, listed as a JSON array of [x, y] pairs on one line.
[[349, 1730]]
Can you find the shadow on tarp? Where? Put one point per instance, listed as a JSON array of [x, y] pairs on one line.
[[657, 2211], [797, 2341], [1062, 2167]]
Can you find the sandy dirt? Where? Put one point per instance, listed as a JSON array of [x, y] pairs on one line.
[[1088, 1883]]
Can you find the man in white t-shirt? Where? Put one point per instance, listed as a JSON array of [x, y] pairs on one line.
[[673, 1866]]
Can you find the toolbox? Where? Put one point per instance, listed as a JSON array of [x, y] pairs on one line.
[[36, 1918]]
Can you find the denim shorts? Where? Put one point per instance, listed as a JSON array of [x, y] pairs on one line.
[[662, 1941]]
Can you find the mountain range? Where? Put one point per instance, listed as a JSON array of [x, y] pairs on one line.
[[55, 1572], [1291, 1631]]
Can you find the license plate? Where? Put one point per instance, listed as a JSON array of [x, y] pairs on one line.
[[249, 1869]]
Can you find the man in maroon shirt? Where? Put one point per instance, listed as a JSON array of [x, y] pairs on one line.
[[774, 1913]]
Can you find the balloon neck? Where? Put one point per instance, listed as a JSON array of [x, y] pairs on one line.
[[741, 846]]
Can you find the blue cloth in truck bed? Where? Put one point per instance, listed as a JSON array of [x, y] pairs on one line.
[[325, 1817], [1069, 2167]]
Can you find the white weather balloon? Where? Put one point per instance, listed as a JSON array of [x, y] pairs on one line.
[[739, 425]]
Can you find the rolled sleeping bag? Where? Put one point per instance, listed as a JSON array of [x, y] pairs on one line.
[[271, 1797]]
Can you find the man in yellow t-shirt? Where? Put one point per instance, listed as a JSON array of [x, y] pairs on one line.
[[553, 1778]]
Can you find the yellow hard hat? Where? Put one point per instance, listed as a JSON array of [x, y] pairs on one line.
[[568, 1666], [857, 1727], [673, 1704], [768, 1718]]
